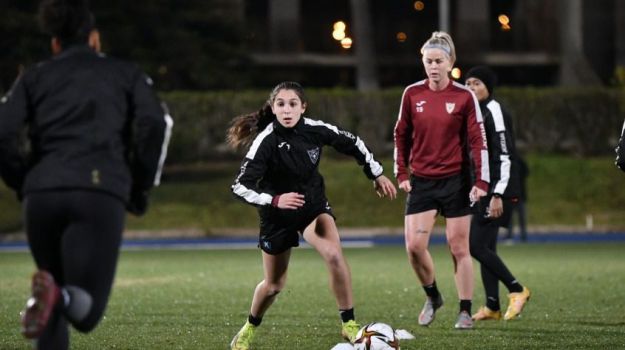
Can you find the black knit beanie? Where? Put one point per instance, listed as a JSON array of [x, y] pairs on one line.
[[486, 75]]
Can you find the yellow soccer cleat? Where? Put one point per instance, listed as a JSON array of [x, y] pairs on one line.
[[484, 313], [243, 339], [349, 330], [517, 302]]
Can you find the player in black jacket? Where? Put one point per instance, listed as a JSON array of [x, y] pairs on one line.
[[620, 150], [96, 139], [280, 176], [494, 210]]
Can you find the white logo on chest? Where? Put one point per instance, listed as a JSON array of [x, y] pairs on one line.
[[284, 144], [450, 107], [420, 106]]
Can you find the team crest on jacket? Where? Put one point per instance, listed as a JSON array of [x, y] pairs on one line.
[[313, 154], [450, 107]]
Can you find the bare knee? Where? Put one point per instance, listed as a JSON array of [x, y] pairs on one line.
[[459, 250], [334, 258], [416, 249], [273, 289]]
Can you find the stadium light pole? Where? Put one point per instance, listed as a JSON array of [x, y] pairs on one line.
[[443, 15], [366, 70]]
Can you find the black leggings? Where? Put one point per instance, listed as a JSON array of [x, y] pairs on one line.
[[483, 246], [75, 235]]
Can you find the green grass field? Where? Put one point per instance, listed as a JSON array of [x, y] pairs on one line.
[[198, 299]]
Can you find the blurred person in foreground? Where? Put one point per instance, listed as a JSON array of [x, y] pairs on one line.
[[493, 210], [620, 150], [96, 137]]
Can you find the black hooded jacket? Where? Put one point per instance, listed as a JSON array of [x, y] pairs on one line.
[[91, 122]]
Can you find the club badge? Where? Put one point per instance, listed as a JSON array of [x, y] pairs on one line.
[[313, 154], [450, 107]]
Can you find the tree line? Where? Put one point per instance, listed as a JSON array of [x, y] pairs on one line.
[[191, 44]]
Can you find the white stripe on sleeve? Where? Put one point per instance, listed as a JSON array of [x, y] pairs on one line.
[[485, 169], [258, 140], [504, 177], [251, 196], [376, 168], [161, 160], [495, 110]]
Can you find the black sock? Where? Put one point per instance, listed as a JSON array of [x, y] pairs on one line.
[[347, 315], [493, 303], [515, 287], [465, 305], [431, 290], [254, 320]]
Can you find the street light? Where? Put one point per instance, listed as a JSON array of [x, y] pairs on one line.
[[456, 73], [346, 43], [401, 37], [504, 20], [339, 34]]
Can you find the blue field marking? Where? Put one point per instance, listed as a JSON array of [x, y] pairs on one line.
[[348, 242]]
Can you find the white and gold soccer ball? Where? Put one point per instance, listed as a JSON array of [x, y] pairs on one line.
[[376, 336]]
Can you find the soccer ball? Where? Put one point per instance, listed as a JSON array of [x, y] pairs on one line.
[[376, 336]]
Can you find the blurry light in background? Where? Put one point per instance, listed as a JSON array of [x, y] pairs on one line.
[[456, 73], [338, 35], [419, 5], [504, 21], [346, 43], [401, 37], [340, 26], [162, 70], [339, 30]]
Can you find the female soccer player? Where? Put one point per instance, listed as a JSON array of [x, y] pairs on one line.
[[439, 123], [494, 210], [280, 176], [98, 136]]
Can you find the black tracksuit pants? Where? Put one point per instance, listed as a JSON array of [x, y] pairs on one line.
[[483, 247], [75, 235]]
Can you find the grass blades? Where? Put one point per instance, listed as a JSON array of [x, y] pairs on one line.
[[198, 299]]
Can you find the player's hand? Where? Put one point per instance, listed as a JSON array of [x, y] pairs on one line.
[[475, 194], [138, 202], [495, 207], [291, 200], [405, 185], [384, 187]]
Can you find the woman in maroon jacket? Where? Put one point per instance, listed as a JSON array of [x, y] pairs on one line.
[[438, 133]]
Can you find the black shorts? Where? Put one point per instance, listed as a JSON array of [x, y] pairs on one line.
[[280, 229], [449, 196]]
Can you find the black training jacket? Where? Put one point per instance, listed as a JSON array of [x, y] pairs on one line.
[[620, 150], [282, 160], [504, 175], [91, 122]]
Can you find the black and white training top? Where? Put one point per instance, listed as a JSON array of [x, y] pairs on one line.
[[283, 160], [501, 148]]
